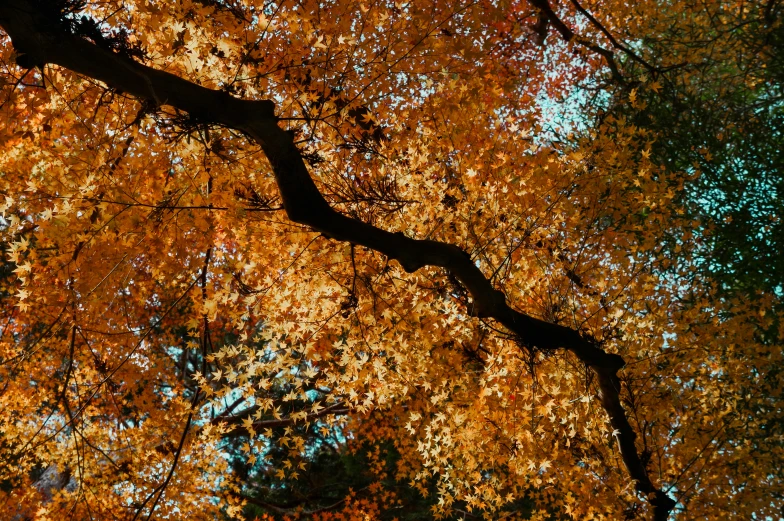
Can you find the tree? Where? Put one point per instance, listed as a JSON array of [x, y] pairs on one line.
[[244, 233], [720, 122]]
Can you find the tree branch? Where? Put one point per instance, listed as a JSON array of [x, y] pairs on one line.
[[615, 43], [45, 43], [295, 511], [568, 35], [336, 409]]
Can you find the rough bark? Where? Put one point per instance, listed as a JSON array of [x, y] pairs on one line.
[[41, 42]]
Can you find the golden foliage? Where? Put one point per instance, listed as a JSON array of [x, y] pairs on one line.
[[158, 300]]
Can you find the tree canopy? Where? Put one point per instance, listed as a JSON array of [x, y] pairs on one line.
[[391, 260]]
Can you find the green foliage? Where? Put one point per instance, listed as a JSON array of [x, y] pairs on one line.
[[718, 126]]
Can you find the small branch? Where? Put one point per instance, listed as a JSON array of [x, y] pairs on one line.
[[194, 401], [612, 39], [335, 409], [294, 511], [568, 35], [160, 490]]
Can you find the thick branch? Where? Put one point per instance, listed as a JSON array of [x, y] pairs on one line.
[[304, 204]]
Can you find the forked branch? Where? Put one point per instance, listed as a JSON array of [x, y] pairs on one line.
[[568, 35]]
